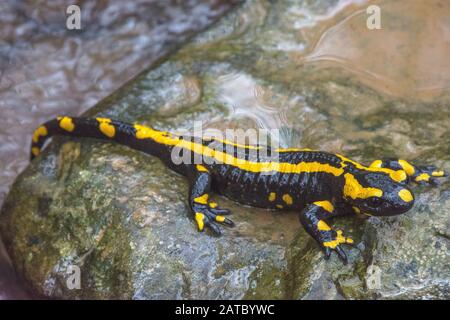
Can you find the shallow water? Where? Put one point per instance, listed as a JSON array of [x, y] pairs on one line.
[[46, 70], [407, 57]]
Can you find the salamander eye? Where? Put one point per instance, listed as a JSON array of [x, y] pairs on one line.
[[375, 202]]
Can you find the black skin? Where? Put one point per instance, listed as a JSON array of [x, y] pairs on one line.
[[300, 191]]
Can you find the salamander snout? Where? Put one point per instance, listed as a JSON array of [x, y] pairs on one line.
[[379, 195]]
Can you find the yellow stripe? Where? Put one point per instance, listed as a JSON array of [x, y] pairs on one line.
[[354, 189], [325, 205], [143, 132], [166, 138]]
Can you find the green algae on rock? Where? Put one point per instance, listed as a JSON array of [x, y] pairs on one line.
[[122, 217]]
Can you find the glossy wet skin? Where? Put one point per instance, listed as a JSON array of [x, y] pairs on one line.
[[396, 197], [315, 183]]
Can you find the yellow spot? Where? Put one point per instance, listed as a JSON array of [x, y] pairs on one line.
[[279, 206], [201, 168], [66, 123], [220, 218], [327, 205], [396, 175], [423, 177], [405, 195], [272, 196], [39, 132], [409, 169], [106, 127], [356, 209], [35, 151], [287, 199], [199, 217], [376, 164], [439, 173], [339, 239], [213, 204], [354, 189], [323, 226], [202, 199]]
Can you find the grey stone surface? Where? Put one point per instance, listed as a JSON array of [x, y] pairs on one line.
[[122, 217]]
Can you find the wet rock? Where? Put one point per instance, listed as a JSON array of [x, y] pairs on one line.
[[122, 218]]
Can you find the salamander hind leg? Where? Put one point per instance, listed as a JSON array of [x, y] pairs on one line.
[[313, 219], [206, 213], [421, 174]]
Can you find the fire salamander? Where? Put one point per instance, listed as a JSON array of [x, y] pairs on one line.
[[318, 185]]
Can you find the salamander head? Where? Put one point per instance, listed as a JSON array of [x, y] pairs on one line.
[[377, 193]]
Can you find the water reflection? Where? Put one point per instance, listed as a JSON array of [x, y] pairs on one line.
[[408, 57], [254, 102]]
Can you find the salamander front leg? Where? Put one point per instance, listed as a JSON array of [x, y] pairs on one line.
[[206, 213], [426, 175], [313, 219]]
